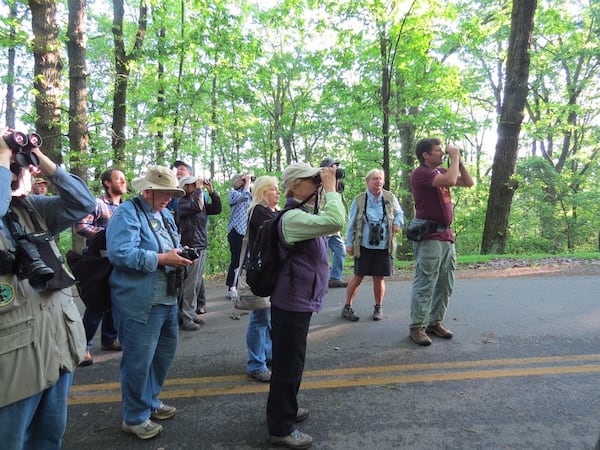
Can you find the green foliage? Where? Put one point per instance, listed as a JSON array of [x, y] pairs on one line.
[[233, 85]]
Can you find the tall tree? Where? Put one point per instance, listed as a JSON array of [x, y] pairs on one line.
[[47, 75], [564, 115], [123, 62], [10, 75], [503, 184], [78, 134], [76, 49]]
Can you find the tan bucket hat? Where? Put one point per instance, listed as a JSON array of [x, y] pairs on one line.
[[158, 178]]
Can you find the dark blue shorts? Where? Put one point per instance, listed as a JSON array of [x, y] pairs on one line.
[[373, 262]]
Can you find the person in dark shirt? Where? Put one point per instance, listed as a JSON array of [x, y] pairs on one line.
[[435, 255], [192, 219]]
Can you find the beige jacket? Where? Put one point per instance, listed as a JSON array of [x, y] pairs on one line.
[[40, 333]]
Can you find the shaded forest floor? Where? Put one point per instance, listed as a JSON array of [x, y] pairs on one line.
[[516, 267], [500, 268]]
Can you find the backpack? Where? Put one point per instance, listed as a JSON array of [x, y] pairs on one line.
[[92, 271], [263, 263]]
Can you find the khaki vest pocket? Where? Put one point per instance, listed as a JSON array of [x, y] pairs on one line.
[[74, 329]]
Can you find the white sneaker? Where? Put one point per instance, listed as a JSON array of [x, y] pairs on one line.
[[145, 430]]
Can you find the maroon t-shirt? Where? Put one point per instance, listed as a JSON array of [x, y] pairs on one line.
[[432, 203]]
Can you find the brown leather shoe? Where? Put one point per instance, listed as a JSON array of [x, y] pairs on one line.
[[114, 346], [439, 330], [419, 336], [337, 284]]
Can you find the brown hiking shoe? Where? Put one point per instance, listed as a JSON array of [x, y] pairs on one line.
[[439, 330], [419, 336]]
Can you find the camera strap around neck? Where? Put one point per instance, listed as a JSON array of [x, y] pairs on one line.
[[367, 204], [138, 207]]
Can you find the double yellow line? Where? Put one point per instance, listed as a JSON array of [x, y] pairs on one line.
[[355, 377]]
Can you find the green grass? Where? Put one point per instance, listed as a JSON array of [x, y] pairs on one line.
[[482, 259], [462, 260]]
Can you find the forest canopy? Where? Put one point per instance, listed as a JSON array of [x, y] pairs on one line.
[[233, 86]]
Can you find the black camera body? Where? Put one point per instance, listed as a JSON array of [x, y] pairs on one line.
[[21, 146], [174, 280], [25, 260], [340, 174], [375, 233], [31, 264], [189, 253]]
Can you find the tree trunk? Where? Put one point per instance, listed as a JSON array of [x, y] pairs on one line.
[[386, 88], [78, 132], [76, 48], [47, 75], [122, 61], [503, 184], [10, 73], [407, 133]]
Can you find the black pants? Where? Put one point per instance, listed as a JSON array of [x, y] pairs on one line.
[[288, 332], [235, 247]]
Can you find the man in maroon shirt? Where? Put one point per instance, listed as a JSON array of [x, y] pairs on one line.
[[435, 256]]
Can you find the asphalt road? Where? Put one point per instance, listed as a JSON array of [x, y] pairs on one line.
[[522, 372]]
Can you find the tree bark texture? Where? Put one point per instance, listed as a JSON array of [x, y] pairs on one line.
[[122, 68], [78, 123], [76, 49], [47, 75], [503, 185]]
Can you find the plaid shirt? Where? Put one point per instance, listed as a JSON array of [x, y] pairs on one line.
[[239, 200], [98, 220]]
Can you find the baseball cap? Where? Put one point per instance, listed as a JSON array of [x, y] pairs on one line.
[[187, 180], [328, 162], [178, 163], [298, 171]]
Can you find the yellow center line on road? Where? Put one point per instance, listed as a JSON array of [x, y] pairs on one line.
[[352, 377]]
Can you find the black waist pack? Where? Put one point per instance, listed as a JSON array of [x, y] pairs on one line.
[[419, 228]]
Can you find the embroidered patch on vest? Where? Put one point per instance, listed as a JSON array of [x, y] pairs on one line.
[[7, 294]]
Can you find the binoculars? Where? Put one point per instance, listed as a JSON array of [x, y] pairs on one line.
[[21, 146]]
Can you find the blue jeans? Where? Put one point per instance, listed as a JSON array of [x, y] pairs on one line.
[[91, 320], [148, 352], [37, 422], [258, 340], [338, 249], [435, 262]]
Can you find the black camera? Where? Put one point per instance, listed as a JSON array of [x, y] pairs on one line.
[[340, 174], [174, 280], [31, 264], [375, 233], [21, 146], [189, 253]]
